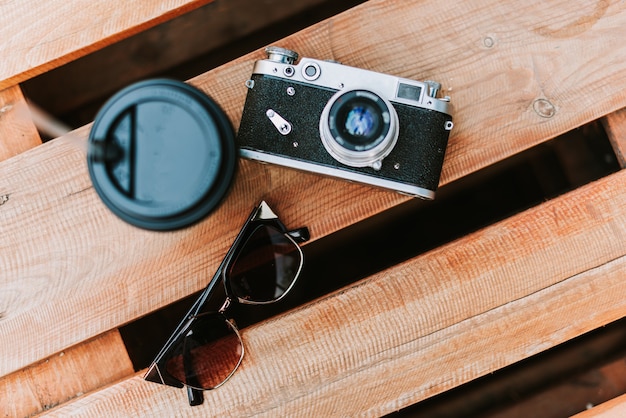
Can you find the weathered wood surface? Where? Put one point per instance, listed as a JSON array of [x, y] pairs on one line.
[[160, 48], [71, 373], [64, 253], [461, 311], [40, 35], [17, 131], [517, 75]]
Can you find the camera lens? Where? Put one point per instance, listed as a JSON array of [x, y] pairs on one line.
[[359, 125], [358, 128]]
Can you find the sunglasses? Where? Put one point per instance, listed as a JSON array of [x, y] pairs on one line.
[[260, 268]]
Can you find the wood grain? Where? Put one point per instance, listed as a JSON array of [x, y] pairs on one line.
[[459, 312], [158, 49], [615, 125], [79, 270], [38, 36], [17, 131], [72, 270], [71, 373], [512, 85]]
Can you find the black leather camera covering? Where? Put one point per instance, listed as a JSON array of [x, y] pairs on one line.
[[418, 154]]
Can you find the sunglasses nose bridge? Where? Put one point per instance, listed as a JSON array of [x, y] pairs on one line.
[[225, 305]]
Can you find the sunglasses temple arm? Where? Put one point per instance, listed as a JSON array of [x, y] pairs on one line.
[[202, 299], [199, 303], [299, 235], [193, 311], [195, 396], [197, 306]]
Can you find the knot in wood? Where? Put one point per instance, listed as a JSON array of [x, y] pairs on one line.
[[544, 108]]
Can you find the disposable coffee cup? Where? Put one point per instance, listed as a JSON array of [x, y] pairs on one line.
[[161, 154]]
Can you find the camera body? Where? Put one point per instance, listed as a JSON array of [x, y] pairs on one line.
[[345, 122]]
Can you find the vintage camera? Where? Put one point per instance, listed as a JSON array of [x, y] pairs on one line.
[[346, 122]]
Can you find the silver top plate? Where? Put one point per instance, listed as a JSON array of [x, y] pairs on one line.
[[343, 77]]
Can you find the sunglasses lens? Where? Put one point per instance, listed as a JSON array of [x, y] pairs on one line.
[[208, 355], [266, 267]]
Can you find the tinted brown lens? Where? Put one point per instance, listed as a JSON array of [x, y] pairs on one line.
[[208, 354], [266, 266]]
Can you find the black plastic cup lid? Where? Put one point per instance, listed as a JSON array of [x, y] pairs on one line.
[[161, 154]]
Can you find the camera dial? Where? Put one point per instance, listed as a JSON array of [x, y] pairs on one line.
[[359, 128], [282, 55]]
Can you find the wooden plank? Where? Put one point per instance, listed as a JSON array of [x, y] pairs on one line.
[[38, 36], [576, 371], [449, 316], [17, 131], [66, 254], [158, 49], [513, 81], [82, 259], [615, 125], [64, 376]]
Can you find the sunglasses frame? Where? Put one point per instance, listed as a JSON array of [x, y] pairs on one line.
[[262, 215]]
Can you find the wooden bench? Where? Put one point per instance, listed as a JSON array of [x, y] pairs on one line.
[[71, 273]]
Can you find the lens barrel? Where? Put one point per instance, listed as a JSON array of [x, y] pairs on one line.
[[358, 128]]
